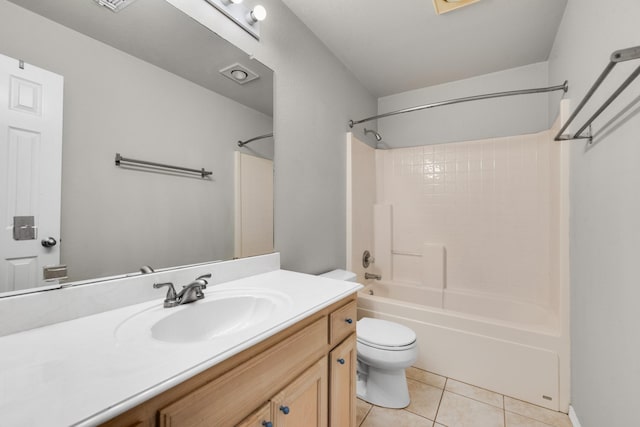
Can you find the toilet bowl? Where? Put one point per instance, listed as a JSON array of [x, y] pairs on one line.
[[385, 349]]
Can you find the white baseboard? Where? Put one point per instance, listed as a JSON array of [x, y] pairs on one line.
[[573, 417]]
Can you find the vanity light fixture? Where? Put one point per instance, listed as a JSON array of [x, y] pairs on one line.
[[248, 20], [444, 6], [114, 5]]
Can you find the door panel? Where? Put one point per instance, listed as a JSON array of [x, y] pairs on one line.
[[31, 101]]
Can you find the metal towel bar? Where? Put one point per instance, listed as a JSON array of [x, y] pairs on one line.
[[616, 57], [119, 159]]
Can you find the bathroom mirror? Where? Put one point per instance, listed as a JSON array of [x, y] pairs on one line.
[[144, 82]]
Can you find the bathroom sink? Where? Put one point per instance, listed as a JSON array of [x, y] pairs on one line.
[[219, 314]]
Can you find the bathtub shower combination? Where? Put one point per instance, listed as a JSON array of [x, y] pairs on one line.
[[468, 241]]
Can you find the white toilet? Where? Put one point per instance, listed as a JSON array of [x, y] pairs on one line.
[[385, 349]]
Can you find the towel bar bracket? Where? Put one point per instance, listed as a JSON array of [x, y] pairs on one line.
[[628, 54]]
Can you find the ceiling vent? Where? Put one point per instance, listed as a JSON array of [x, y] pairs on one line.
[[444, 6], [239, 73], [114, 5]]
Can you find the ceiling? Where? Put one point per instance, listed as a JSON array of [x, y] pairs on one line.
[[396, 46], [192, 51]]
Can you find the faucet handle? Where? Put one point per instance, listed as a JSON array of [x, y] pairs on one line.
[[204, 276], [171, 299]]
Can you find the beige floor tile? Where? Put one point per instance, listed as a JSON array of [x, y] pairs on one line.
[[362, 409], [475, 393], [383, 417], [426, 377], [555, 419], [460, 411], [515, 420], [424, 399]]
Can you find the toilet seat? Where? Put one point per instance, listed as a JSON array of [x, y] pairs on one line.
[[385, 335]]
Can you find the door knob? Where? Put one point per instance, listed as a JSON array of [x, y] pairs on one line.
[[49, 242]]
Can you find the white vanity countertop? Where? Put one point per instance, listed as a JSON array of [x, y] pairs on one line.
[[81, 373]]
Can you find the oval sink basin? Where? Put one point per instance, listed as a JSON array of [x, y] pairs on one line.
[[208, 319], [218, 314]]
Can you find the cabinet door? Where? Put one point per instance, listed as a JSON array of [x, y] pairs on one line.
[[260, 418], [304, 401], [342, 384]]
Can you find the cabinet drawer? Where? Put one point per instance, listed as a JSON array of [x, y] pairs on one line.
[[228, 399], [342, 322]]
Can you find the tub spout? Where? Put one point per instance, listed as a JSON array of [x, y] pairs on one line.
[[372, 276]]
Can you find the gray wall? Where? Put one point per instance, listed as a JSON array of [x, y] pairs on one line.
[[315, 96], [115, 220], [489, 118], [605, 218]]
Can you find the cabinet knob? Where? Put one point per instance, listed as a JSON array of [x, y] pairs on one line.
[[348, 320], [341, 361], [285, 409], [267, 424]]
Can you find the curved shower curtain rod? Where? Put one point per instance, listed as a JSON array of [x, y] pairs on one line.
[[564, 87], [243, 143]]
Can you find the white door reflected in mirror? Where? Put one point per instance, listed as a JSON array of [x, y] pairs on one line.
[[31, 102]]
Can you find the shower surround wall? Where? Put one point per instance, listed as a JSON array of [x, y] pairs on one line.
[[472, 217]]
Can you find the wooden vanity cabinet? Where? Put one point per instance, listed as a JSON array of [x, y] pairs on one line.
[[302, 376]]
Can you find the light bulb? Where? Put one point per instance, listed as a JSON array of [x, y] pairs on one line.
[[239, 75], [259, 13]]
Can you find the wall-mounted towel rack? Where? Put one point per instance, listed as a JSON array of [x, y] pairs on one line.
[[563, 87], [119, 159], [243, 143], [616, 57]]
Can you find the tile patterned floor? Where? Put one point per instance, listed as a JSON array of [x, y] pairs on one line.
[[437, 401]]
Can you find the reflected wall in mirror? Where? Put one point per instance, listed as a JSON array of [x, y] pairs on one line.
[[144, 83]]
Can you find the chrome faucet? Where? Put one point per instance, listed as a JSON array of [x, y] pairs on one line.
[[372, 276], [189, 293]]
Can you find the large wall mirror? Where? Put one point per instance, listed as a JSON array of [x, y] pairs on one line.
[[144, 82]]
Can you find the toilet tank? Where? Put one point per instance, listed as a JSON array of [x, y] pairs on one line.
[[348, 276]]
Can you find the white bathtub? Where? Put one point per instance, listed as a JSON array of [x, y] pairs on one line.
[[508, 346]]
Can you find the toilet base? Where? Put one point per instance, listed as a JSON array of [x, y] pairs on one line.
[[381, 387]]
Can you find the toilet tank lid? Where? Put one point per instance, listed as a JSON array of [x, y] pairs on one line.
[[345, 275], [384, 333]]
